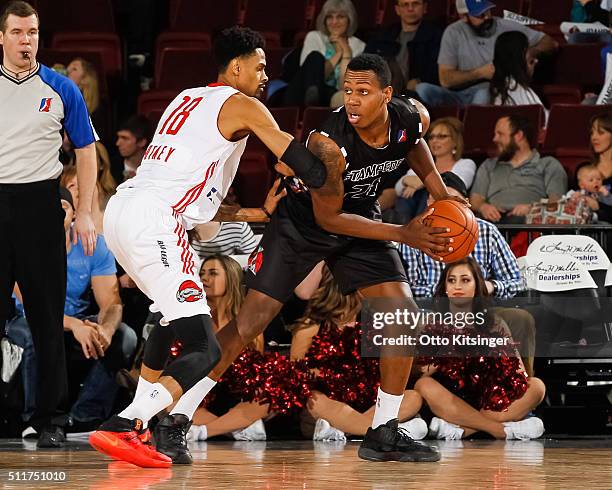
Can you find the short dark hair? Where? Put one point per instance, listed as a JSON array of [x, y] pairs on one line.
[[451, 179], [522, 123], [65, 195], [372, 62], [20, 9], [139, 126], [234, 42]]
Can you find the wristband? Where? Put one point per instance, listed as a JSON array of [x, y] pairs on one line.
[[263, 208]]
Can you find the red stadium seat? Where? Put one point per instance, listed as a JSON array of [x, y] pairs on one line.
[[438, 112], [313, 117], [153, 103], [77, 15], [570, 158], [205, 15], [274, 61], [108, 44], [479, 123], [171, 39], [179, 69], [287, 119], [568, 127], [253, 179], [272, 15], [516, 6], [579, 64], [550, 11], [562, 94]]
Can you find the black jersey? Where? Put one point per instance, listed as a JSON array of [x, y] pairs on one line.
[[368, 170]]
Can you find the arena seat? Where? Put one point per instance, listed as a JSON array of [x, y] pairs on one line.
[[108, 44], [77, 15], [313, 117], [516, 6], [274, 61], [287, 119], [172, 39], [579, 64], [562, 94], [153, 103], [197, 15], [550, 12], [272, 15], [185, 67], [253, 179], [479, 122], [437, 112]]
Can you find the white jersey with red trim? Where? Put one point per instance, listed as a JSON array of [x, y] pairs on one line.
[[189, 165]]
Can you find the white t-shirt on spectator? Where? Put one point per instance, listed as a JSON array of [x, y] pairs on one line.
[[519, 95], [465, 168], [317, 41]]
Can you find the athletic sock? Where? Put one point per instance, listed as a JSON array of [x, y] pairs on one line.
[[191, 399], [150, 402], [387, 408], [142, 386]]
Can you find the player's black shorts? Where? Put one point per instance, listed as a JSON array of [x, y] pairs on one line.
[[290, 248]]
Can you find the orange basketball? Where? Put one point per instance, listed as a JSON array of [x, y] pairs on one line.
[[462, 224]]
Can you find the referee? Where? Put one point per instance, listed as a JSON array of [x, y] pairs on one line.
[[36, 107]]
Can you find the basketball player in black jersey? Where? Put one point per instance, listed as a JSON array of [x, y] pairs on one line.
[[365, 147]]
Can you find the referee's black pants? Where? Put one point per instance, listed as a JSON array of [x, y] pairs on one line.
[[33, 254]]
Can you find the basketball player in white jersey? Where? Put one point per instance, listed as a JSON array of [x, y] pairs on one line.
[[185, 174]]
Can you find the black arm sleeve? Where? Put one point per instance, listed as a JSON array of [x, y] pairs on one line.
[[306, 166]]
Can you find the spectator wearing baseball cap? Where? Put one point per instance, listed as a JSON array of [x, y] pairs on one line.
[[465, 62]]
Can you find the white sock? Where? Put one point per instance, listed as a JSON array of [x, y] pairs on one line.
[[387, 408], [150, 402], [200, 432], [142, 386], [191, 399]]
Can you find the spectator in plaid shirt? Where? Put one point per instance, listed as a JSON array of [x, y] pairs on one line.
[[499, 267]]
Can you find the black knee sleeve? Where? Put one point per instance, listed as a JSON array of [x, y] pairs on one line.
[[157, 348], [305, 165], [200, 352]]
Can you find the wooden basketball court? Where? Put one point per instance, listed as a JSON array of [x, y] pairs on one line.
[[539, 464]]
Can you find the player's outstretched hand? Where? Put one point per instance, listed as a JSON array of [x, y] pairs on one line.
[[284, 169], [417, 234], [274, 196], [459, 199], [85, 230]]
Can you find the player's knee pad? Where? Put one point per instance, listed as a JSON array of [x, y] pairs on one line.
[[158, 347], [200, 351]]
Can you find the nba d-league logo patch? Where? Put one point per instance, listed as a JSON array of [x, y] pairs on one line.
[[45, 104], [188, 291], [255, 260], [401, 136]]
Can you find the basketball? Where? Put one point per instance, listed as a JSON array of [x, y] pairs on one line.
[[462, 224]]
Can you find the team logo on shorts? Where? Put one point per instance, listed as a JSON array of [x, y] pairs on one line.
[[189, 291], [255, 260]]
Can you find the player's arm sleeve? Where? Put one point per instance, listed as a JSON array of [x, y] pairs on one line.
[[77, 122]]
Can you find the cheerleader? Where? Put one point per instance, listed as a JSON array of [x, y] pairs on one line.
[[344, 391], [477, 393]]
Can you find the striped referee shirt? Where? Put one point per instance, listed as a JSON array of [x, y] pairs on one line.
[[496, 260], [232, 238], [34, 112]]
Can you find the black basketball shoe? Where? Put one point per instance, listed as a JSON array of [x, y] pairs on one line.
[[171, 438], [51, 436], [389, 442]]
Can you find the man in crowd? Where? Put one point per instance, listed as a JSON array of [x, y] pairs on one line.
[[465, 61], [506, 186], [101, 339], [499, 267], [133, 137], [411, 45], [38, 105]]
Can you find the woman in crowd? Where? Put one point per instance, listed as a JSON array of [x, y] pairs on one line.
[[445, 140], [601, 145], [514, 66], [222, 280], [460, 392], [325, 55], [330, 321]]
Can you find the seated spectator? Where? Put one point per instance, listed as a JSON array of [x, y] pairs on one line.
[[514, 67], [594, 192], [601, 145], [445, 140], [228, 238], [460, 411], [102, 339], [411, 47], [325, 55], [222, 280], [592, 11], [499, 269], [465, 61], [84, 74], [506, 186], [133, 137], [328, 317]]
